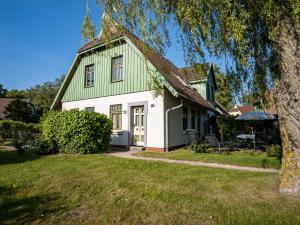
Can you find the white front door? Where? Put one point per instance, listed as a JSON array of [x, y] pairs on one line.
[[137, 122]]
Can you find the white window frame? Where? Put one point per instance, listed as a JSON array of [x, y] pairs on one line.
[[115, 113], [117, 64], [89, 76]]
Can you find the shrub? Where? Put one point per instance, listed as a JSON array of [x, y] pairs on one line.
[[77, 131], [21, 134], [274, 151], [201, 148], [43, 146]]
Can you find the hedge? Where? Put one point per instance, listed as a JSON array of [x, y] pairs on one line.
[[21, 134], [77, 131]]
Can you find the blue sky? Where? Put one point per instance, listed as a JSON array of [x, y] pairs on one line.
[[39, 39]]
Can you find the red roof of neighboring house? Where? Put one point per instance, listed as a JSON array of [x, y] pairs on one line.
[[243, 109], [3, 103]]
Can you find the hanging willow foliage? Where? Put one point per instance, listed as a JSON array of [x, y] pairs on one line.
[[88, 29]]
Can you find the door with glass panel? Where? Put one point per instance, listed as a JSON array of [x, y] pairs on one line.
[[137, 120]]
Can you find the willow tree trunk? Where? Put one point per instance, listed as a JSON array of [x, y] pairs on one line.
[[288, 107]]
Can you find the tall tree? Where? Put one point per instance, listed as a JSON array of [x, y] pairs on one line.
[[15, 93], [42, 96], [224, 94], [20, 110], [260, 36]]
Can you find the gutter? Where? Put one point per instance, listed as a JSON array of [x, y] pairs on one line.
[[167, 123]]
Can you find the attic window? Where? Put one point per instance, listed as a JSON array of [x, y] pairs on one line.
[[117, 68], [89, 76]]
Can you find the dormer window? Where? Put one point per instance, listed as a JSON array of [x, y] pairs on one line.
[[117, 69], [89, 76]]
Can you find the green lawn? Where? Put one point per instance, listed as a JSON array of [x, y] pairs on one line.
[[98, 189], [241, 158]]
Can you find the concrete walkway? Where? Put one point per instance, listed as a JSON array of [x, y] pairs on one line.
[[128, 155]]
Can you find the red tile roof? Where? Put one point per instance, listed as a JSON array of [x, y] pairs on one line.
[[243, 109]]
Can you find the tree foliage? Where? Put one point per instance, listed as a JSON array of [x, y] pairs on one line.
[[243, 30], [3, 91], [224, 94], [88, 29], [15, 93], [42, 95], [20, 110]]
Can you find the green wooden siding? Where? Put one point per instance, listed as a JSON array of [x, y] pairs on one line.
[[134, 77], [210, 87], [201, 88]]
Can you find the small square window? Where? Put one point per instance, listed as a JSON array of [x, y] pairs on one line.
[[89, 76], [117, 68], [89, 109]]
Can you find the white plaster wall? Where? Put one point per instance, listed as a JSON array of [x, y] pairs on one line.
[[176, 134], [155, 116]]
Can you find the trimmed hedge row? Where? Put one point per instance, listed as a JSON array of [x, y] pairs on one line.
[[76, 131], [21, 134]]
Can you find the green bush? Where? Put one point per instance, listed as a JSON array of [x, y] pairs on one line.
[[21, 134], [42, 146], [77, 131], [201, 148], [274, 151]]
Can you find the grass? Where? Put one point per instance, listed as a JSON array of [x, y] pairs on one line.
[[240, 158], [98, 189]]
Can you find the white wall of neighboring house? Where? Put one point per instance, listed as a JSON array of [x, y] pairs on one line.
[[155, 118]]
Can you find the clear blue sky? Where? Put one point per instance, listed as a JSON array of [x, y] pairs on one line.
[[39, 39]]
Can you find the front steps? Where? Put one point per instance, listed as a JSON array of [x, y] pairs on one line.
[[126, 148], [136, 148]]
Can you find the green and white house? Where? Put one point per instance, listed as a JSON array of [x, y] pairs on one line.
[[151, 102]]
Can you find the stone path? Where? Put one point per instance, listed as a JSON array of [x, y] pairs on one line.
[[128, 155]]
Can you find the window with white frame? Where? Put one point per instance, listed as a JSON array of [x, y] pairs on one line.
[[116, 116], [89, 76], [117, 69]]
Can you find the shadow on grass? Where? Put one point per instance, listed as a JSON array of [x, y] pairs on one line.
[[12, 156], [25, 210]]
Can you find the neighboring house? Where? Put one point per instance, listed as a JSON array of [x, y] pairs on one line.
[[239, 110], [115, 80], [3, 103]]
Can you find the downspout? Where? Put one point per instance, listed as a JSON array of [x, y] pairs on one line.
[[167, 123]]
